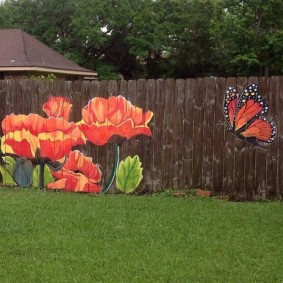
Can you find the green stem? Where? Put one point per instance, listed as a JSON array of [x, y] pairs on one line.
[[107, 186], [41, 176]]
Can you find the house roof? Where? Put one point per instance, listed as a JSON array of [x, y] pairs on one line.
[[21, 52]]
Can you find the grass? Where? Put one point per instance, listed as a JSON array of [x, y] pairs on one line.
[[64, 237]]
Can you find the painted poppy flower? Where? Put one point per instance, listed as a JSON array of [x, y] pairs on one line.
[[78, 174], [58, 107], [28, 135], [103, 118]]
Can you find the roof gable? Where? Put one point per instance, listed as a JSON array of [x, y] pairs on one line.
[[19, 49]]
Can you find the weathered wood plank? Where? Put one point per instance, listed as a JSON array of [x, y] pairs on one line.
[[188, 141], [158, 131], [280, 139], [168, 134], [218, 138], [98, 153], [46, 90], [128, 91], [240, 155], [29, 98], [148, 144], [178, 130], [138, 147], [250, 188], [3, 102], [260, 154], [273, 149], [208, 129], [229, 151], [16, 98], [200, 91], [130, 94]]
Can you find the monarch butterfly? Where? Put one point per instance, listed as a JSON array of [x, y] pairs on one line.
[[243, 116]]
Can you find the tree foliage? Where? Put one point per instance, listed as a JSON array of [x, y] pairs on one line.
[[248, 37], [161, 38]]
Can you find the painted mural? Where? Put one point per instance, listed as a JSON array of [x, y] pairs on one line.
[[42, 151], [244, 116], [39, 151]]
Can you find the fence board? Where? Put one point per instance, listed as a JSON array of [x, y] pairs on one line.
[[188, 124], [140, 147], [280, 139], [168, 134], [250, 188], [149, 166], [130, 92], [260, 154], [218, 137], [208, 129], [240, 155], [178, 135], [3, 102], [198, 132], [33, 98], [158, 132], [230, 142], [25, 98], [272, 157]]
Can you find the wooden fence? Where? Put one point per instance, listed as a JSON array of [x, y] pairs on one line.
[[189, 147]]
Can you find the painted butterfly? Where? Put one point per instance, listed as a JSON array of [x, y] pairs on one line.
[[243, 116]]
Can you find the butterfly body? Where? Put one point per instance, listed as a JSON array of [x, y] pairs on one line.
[[244, 116]]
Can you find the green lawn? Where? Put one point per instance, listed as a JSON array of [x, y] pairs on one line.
[[65, 237]]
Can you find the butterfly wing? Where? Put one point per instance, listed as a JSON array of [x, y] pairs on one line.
[[250, 105], [230, 105], [243, 115], [260, 129]]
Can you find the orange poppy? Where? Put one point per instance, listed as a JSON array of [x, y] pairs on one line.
[[25, 135], [78, 174], [103, 118], [58, 107]]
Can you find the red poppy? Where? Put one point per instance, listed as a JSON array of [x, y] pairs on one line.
[[78, 174], [58, 107], [24, 135], [103, 118]]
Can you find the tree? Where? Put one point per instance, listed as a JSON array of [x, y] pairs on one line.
[[190, 53], [147, 38], [248, 37], [119, 33]]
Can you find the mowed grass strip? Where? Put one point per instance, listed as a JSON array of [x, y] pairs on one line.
[[65, 237]]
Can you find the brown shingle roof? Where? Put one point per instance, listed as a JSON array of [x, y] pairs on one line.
[[20, 50]]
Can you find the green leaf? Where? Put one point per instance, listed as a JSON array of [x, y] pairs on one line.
[[7, 170], [129, 174], [23, 172], [48, 178]]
